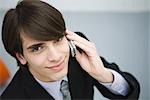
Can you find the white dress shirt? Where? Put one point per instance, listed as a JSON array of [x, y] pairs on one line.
[[53, 88], [119, 86]]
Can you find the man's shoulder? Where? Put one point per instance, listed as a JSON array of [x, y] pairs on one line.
[[14, 88]]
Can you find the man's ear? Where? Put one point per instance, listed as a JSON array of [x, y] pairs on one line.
[[21, 58]]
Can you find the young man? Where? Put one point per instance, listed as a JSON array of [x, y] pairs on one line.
[[35, 34]]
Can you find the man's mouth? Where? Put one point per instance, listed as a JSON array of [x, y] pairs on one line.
[[57, 67]]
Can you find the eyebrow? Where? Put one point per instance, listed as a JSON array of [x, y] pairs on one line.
[[35, 45]]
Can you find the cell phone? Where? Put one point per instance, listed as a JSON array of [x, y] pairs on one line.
[[72, 48]]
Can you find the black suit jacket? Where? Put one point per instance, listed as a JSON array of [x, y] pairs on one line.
[[24, 86]]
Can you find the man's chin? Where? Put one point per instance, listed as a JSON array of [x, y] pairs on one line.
[[61, 75]]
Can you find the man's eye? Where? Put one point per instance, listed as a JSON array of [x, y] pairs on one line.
[[37, 49]]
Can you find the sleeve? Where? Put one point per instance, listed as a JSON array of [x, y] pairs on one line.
[[134, 86], [119, 85]]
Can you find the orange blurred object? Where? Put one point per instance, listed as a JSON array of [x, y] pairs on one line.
[[4, 73]]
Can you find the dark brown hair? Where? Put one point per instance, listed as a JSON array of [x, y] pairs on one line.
[[33, 18]]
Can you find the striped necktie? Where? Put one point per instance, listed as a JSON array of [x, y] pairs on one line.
[[64, 88]]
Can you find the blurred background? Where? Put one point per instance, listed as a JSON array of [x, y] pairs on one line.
[[119, 28]]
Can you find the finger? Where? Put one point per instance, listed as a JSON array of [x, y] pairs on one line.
[[71, 35], [88, 50], [78, 54], [69, 32], [80, 39]]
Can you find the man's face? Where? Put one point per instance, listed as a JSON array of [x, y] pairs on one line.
[[47, 60]]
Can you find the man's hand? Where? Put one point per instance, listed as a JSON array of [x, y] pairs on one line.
[[89, 59]]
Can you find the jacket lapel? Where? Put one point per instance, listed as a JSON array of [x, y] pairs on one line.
[[32, 88], [76, 78]]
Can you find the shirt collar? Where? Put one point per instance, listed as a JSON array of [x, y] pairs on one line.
[[53, 88]]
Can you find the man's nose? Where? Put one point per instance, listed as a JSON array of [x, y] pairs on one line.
[[53, 54]]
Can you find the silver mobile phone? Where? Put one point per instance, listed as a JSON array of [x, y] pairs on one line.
[[72, 48]]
